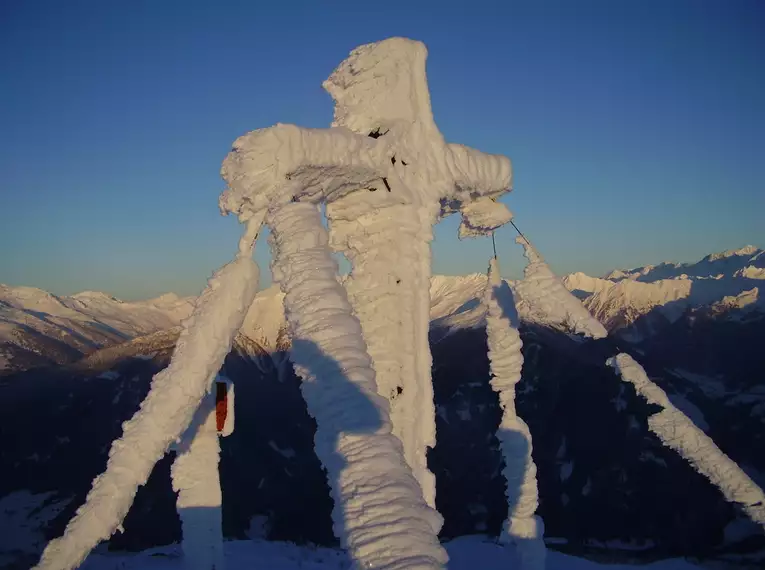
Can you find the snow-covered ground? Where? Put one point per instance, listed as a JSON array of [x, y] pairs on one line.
[[465, 553]]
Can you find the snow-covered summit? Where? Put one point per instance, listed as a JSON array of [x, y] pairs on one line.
[[747, 250], [165, 299], [94, 296], [38, 328], [725, 281], [722, 263]]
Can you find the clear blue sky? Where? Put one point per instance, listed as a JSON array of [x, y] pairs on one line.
[[636, 128]]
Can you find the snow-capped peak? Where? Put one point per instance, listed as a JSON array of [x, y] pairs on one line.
[[37, 327], [94, 295], [726, 280], [746, 250], [19, 296]]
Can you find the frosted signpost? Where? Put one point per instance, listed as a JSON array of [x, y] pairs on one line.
[[386, 175], [196, 478]]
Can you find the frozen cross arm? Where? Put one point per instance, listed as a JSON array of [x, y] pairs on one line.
[[283, 163]]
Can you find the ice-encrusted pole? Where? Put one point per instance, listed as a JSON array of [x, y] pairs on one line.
[[522, 528], [379, 515], [167, 410], [678, 432], [383, 288], [381, 91], [382, 165], [196, 479], [545, 298]]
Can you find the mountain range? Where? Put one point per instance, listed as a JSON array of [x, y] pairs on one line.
[[609, 490], [38, 328]]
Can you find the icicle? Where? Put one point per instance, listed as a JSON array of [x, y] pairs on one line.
[[522, 528], [380, 515], [678, 432], [543, 297], [166, 412], [196, 479]]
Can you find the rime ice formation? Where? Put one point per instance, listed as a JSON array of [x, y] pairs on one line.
[[383, 165], [385, 171], [678, 432], [381, 91], [166, 412], [522, 528], [197, 481], [544, 298], [380, 515], [483, 216]]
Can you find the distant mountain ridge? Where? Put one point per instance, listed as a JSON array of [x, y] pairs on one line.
[[724, 262], [38, 328], [729, 283]]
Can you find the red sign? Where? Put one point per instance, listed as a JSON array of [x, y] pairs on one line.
[[221, 405]]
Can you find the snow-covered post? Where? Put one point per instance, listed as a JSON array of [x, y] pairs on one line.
[[381, 91], [382, 290], [166, 412], [542, 296], [196, 479], [379, 515], [522, 529], [678, 432]]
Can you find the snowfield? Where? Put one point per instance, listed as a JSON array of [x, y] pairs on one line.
[[465, 553]]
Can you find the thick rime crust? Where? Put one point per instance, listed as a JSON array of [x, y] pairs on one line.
[[380, 515], [382, 289], [166, 412], [544, 298], [678, 432], [482, 216], [522, 528], [381, 94], [287, 163], [381, 85]]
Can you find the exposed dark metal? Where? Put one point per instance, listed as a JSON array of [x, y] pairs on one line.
[[520, 233]]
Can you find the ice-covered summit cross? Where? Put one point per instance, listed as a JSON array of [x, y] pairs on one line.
[[387, 175], [383, 138]]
